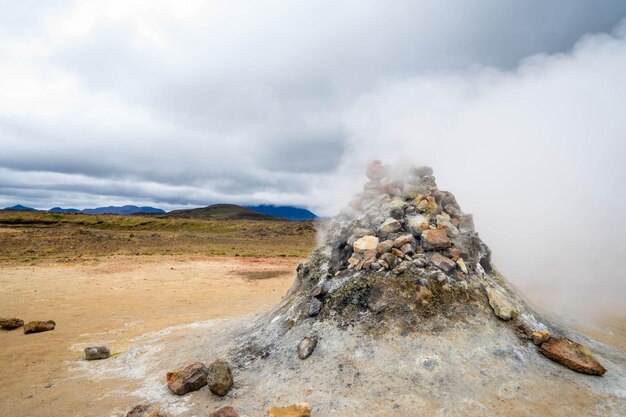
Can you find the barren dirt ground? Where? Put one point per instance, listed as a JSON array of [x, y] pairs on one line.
[[108, 302], [113, 300]]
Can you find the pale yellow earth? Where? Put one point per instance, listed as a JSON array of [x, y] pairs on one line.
[[108, 302]]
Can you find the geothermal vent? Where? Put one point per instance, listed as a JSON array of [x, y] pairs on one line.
[[400, 312]]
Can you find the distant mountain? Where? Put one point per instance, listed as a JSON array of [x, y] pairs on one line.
[[284, 212], [19, 207], [220, 212], [64, 210], [124, 210]]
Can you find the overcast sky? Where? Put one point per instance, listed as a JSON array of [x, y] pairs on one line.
[[520, 106]]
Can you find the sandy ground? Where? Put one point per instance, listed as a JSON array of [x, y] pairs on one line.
[[117, 301], [110, 302]]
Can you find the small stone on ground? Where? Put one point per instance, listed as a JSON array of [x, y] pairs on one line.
[[295, 410], [11, 323], [219, 378], [39, 326], [190, 378], [572, 355], [93, 353], [306, 346], [227, 411]]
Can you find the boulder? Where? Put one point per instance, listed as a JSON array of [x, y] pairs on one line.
[[190, 378], [441, 261], [295, 410], [11, 323], [390, 225], [219, 378], [39, 326], [435, 239], [572, 355], [145, 410], [93, 353], [417, 224], [366, 243], [227, 411], [501, 304], [306, 346]]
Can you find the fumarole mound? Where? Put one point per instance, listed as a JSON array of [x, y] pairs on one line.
[[400, 312]]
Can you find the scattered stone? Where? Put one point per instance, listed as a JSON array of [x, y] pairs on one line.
[[306, 346], [572, 355], [39, 326], [93, 353], [396, 208], [397, 252], [219, 377], [145, 410], [227, 411], [461, 263], [314, 307], [11, 323], [501, 304], [366, 243], [390, 225], [296, 410], [190, 378], [540, 337], [435, 239], [441, 261]]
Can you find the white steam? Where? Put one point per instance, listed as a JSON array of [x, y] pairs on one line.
[[536, 154]]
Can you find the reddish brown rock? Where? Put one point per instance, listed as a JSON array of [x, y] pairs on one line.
[[12, 323], [145, 410], [296, 410], [190, 378], [572, 355], [403, 240], [39, 326], [435, 239], [227, 411]]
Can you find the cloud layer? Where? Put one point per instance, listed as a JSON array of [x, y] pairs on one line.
[[517, 105]]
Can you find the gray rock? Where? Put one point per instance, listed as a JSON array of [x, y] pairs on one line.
[[467, 223], [390, 225], [395, 208], [411, 191], [219, 377], [11, 323], [306, 346], [93, 353], [441, 262], [390, 260], [423, 171], [314, 307]]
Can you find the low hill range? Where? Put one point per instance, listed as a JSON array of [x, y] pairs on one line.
[[212, 212]]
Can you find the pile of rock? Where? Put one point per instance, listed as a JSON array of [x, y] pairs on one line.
[[399, 222]]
